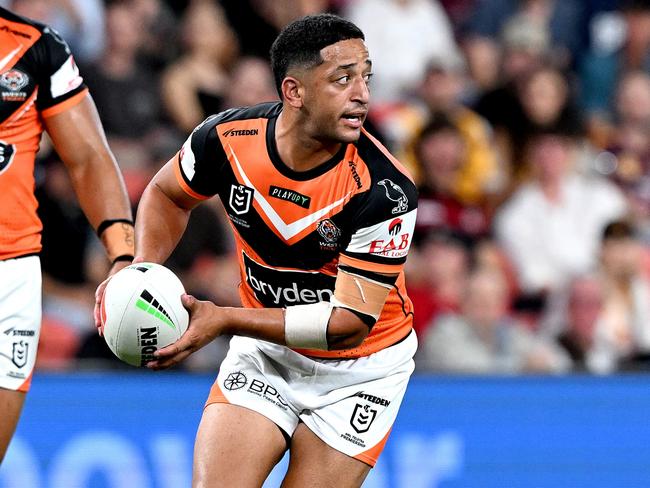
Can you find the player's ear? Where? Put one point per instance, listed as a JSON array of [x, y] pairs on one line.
[[292, 91]]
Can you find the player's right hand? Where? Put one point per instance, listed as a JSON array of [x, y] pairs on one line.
[[206, 323]]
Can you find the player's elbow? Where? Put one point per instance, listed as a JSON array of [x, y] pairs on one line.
[[346, 330]]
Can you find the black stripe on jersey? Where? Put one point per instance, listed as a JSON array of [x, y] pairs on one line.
[[378, 206], [381, 278], [274, 155], [406, 314]]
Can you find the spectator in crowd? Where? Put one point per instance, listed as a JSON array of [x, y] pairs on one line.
[[194, 86], [125, 90], [551, 225], [554, 24], [250, 83], [441, 153], [395, 35], [483, 338], [437, 268], [578, 323], [441, 91], [603, 318], [620, 43]]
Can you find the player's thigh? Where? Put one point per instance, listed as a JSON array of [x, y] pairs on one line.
[[235, 447], [314, 464], [11, 404]]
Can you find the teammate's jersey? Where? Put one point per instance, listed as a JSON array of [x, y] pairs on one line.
[[38, 79], [293, 230]]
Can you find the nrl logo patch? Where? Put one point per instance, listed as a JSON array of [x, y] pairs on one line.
[[362, 418], [19, 353], [240, 199], [290, 196]]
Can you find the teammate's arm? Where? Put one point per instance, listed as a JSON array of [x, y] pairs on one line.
[[79, 140], [162, 217]]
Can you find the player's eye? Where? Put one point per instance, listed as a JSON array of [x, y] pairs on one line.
[[343, 80], [367, 77]]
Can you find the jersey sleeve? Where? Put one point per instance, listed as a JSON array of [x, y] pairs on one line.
[[381, 241], [201, 160], [60, 83]]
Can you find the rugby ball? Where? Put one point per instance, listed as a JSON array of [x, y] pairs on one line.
[[141, 311]]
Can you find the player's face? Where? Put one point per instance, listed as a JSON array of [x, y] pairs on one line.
[[336, 91]]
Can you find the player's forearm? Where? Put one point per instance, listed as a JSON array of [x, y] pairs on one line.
[[100, 189], [160, 223], [268, 324], [260, 323]]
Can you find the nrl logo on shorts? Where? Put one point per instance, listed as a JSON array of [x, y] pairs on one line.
[[19, 354], [240, 198], [362, 418]]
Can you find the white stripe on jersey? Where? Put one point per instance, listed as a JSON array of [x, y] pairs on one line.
[[390, 238], [65, 79], [287, 231]]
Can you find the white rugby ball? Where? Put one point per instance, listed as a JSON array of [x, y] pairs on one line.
[[141, 311]]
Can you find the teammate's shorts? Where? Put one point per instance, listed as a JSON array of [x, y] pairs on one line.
[[20, 320], [351, 404]]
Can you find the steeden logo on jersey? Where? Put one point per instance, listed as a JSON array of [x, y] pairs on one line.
[[240, 132], [14, 81]]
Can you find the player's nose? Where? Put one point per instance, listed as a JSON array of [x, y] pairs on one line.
[[360, 92]]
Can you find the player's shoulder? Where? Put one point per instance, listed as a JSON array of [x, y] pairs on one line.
[[389, 178], [22, 27], [261, 111], [380, 162], [19, 19], [205, 134]]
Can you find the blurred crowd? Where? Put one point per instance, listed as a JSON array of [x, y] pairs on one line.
[[525, 122]]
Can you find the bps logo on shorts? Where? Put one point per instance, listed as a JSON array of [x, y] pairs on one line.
[[235, 381], [362, 418]]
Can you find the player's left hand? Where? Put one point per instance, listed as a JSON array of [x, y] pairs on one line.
[[99, 292], [206, 323]]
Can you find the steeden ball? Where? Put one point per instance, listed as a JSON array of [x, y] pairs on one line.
[[141, 311]]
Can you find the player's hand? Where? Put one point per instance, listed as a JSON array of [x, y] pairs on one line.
[[99, 292], [205, 325]]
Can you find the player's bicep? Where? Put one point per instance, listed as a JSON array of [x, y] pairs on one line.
[[363, 293], [169, 183], [76, 132]]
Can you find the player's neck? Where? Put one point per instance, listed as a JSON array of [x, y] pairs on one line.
[[297, 149]]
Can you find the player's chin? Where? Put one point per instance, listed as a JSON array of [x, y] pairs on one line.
[[349, 134]]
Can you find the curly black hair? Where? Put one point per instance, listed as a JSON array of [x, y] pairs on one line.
[[300, 43]]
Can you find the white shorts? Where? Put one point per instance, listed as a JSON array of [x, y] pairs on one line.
[[20, 320], [351, 404]]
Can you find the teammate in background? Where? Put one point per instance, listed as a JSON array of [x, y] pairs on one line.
[[41, 89], [322, 216]]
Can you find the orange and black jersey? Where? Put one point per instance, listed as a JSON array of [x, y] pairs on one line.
[[38, 79], [294, 230]]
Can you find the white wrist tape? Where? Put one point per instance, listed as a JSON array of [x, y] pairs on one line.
[[305, 326]]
